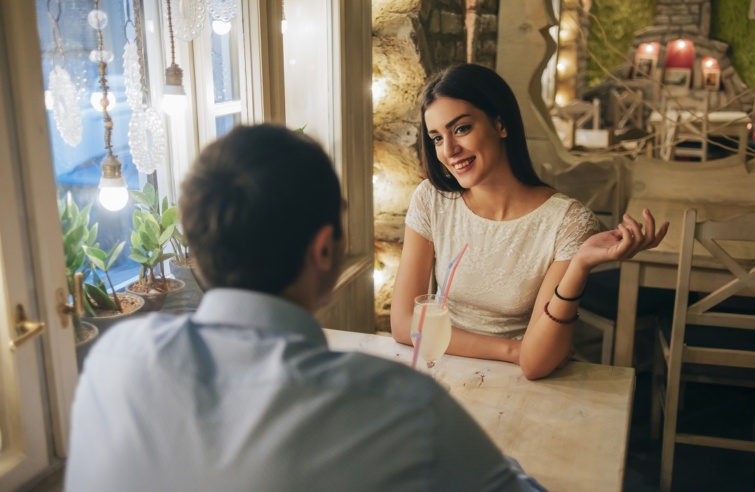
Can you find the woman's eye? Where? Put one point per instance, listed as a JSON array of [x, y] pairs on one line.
[[461, 129], [436, 139]]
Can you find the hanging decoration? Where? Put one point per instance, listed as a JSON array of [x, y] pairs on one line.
[[113, 191], [189, 20], [146, 132], [222, 10], [63, 99]]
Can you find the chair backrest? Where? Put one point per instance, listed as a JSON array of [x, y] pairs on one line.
[[627, 107], [715, 237]]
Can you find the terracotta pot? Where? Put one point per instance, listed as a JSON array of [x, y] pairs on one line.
[[154, 300], [105, 321], [86, 335]]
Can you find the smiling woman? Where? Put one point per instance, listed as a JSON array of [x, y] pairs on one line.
[[516, 294]]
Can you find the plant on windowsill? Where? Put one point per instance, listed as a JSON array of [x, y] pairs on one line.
[[102, 308], [153, 230]]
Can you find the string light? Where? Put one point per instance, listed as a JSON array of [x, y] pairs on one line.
[[174, 96], [113, 192]]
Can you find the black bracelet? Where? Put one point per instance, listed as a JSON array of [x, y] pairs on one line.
[[568, 299], [560, 321]]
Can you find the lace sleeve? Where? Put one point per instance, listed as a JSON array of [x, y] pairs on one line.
[[579, 223], [418, 215]]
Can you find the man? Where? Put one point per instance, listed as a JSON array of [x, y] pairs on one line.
[[244, 394]]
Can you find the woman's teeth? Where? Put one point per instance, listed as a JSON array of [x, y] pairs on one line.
[[461, 165]]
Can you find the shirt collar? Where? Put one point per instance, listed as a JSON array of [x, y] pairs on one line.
[[225, 306]]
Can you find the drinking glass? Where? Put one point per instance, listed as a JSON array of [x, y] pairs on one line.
[[436, 328]]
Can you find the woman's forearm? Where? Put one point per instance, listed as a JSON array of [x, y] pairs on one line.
[[548, 342]]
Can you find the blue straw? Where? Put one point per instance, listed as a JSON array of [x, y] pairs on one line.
[[445, 280]]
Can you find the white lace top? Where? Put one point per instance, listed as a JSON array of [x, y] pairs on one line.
[[496, 284]]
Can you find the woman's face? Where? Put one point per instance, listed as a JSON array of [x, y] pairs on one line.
[[466, 142]]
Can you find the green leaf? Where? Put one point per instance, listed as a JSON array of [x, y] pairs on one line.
[[153, 229], [148, 242], [89, 241], [135, 240], [170, 217], [141, 198], [149, 190], [165, 204], [138, 258], [114, 253], [166, 235], [99, 297], [73, 239], [96, 256]]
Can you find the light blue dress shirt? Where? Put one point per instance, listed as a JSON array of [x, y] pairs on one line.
[[245, 395]]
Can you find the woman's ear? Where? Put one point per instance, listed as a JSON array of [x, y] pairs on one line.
[[501, 129]]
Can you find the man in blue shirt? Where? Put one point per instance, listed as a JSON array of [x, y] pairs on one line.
[[244, 394]]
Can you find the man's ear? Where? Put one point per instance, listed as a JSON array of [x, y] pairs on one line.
[[322, 249]]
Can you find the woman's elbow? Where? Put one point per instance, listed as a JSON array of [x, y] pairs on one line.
[[398, 329], [533, 370]]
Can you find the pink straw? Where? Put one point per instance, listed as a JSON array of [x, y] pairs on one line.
[[419, 335], [451, 277]]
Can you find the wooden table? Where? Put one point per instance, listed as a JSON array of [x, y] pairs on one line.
[[569, 431], [657, 269]]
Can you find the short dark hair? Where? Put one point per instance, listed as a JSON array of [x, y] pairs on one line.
[[486, 90], [252, 203]]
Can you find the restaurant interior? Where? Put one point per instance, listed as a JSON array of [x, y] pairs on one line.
[[106, 104]]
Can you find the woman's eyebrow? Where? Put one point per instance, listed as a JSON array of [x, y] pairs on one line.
[[450, 123]]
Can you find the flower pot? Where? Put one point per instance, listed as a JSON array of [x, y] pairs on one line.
[[188, 299], [103, 320], [154, 296], [86, 335]]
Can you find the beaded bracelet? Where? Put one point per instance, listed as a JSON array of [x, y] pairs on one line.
[[561, 321], [568, 299]]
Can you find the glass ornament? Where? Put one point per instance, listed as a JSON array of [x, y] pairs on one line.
[[132, 79], [146, 138], [98, 56], [97, 19], [65, 106], [188, 18], [222, 10]]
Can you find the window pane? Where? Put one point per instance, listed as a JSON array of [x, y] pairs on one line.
[[77, 160], [308, 69], [225, 60], [225, 124]]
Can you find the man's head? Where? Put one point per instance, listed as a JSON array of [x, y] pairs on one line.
[[260, 207]]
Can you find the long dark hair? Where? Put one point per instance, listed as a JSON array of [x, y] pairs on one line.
[[487, 91]]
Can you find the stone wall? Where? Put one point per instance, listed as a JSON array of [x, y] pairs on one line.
[[412, 39]]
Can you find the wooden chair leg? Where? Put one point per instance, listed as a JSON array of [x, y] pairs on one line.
[[671, 409], [606, 355], [655, 391]]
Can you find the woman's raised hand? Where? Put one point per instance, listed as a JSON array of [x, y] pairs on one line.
[[622, 243]]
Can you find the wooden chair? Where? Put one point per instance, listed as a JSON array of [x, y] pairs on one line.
[[682, 353]]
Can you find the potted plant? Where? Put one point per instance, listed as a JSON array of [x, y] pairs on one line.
[[153, 230], [182, 268], [80, 242]]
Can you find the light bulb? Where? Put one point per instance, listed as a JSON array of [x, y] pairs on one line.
[[96, 100], [174, 96], [113, 191], [221, 28], [113, 198]]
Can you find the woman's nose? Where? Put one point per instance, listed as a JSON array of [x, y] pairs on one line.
[[450, 148]]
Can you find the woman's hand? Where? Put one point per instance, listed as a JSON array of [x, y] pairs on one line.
[[622, 243]]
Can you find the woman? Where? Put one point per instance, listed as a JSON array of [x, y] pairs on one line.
[[516, 291]]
